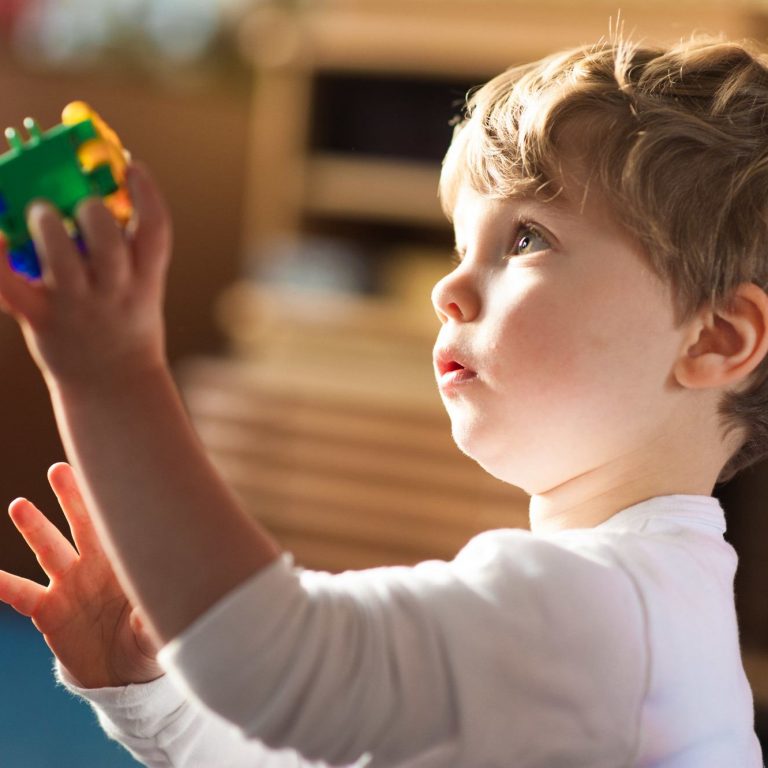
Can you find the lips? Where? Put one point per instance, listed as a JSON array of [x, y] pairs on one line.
[[451, 368]]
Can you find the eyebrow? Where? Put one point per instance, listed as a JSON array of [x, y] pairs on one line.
[[535, 210], [560, 204]]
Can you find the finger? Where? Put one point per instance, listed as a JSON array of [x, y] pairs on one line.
[[62, 265], [52, 549], [21, 594], [150, 229], [19, 296], [104, 241], [63, 481]]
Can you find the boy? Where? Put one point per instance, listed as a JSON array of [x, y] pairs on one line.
[[603, 345]]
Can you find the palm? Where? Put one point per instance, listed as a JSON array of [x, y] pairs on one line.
[[84, 614], [84, 617]]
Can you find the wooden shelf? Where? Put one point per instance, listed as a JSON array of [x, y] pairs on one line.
[[448, 38], [374, 189], [342, 475]]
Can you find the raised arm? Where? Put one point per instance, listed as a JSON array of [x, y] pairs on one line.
[[174, 533]]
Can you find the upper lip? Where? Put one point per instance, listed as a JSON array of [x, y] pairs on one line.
[[449, 359]]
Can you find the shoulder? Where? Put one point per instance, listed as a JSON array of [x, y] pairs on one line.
[[575, 581], [512, 563]]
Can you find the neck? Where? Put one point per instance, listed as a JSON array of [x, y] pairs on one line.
[[593, 497]]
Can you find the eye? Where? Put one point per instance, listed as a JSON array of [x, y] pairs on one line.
[[528, 239]]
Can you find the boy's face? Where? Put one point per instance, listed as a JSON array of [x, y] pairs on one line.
[[569, 334]]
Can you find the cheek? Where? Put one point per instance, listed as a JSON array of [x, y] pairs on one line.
[[630, 333], [535, 345], [579, 351]]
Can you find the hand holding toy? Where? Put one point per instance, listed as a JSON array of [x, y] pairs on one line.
[[80, 158]]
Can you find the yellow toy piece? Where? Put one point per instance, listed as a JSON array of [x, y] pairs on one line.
[[107, 149]]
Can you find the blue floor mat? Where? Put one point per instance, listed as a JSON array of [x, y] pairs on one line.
[[41, 724]]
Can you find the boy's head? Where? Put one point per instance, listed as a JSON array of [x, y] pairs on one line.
[[632, 183]]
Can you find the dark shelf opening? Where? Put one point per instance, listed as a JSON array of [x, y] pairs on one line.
[[385, 116]]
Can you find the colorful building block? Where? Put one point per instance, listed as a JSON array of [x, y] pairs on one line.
[[81, 157]]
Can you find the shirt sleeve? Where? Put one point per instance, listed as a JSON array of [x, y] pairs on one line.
[[518, 652], [163, 729]]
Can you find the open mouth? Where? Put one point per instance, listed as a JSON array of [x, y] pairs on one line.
[[452, 373], [452, 366]]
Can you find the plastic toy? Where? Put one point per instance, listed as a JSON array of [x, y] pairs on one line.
[[80, 158]]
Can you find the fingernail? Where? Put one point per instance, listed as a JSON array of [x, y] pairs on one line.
[[36, 209]]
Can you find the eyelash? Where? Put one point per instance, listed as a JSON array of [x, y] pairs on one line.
[[527, 227], [523, 226]]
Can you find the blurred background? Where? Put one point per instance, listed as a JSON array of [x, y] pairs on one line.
[[299, 145]]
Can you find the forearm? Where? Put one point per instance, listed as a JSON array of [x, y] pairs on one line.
[[176, 536]]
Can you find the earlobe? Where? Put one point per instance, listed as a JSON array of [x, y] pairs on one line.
[[724, 346]]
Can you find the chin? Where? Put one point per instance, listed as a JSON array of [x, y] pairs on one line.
[[500, 464], [510, 475]]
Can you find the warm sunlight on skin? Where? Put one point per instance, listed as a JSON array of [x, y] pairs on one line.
[[573, 341], [83, 613]]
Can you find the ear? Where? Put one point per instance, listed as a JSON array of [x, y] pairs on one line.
[[724, 346]]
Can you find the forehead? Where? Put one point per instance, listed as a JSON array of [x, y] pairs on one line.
[[473, 209]]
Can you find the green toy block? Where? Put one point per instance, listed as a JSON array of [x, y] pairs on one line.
[[46, 166]]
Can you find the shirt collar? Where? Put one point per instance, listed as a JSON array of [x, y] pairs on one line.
[[704, 510]]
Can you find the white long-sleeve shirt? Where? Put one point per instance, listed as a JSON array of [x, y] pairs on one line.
[[598, 647]]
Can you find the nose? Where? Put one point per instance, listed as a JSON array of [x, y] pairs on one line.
[[455, 297]]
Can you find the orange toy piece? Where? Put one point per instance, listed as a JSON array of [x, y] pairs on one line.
[[106, 149]]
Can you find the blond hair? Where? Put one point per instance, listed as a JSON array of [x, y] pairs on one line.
[[675, 139]]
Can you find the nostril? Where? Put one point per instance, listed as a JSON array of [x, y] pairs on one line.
[[454, 366], [453, 309]]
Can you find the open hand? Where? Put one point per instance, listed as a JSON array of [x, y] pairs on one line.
[[83, 613]]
